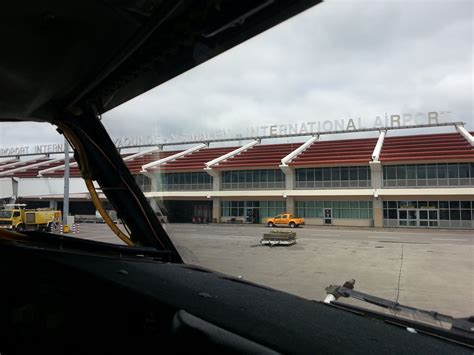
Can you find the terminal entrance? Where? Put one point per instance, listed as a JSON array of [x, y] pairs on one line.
[[328, 216], [418, 217], [252, 215], [188, 211]]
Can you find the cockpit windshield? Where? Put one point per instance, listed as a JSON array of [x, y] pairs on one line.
[[336, 146]]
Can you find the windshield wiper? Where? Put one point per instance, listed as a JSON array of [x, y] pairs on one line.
[[461, 329]]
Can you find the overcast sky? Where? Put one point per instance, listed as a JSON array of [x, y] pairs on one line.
[[338, 60]]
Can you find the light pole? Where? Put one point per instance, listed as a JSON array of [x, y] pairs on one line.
[[66, 182]]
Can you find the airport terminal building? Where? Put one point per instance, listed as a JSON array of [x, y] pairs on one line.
[[412, 180]]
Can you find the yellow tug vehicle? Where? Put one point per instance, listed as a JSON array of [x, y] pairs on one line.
[[17, 217]]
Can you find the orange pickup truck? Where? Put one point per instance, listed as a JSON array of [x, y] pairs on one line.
[[285, 219]]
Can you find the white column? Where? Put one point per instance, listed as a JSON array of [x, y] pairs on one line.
[[289, 171], [377, 206], [216, 178], [154, 185], [290, 205], [376, 174], [289, 177], [14, 189], [216, 210], [377, 183]]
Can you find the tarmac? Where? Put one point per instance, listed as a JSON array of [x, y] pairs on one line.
[[425, 268]]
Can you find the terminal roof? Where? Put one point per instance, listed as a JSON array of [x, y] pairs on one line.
[[412, 149]]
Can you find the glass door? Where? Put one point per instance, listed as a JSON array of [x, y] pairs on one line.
[[428, 218], [328, 216], [407, 218], [248, 215], [252, 215]]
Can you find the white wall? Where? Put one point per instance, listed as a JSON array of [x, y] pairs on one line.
[[32, 187], [6, 188]]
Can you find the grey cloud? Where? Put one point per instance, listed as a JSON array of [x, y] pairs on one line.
[[340, 59]]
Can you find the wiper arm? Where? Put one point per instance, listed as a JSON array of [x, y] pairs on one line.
[[334, 292]]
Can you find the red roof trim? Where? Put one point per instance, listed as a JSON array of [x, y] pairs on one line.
[[447, 147]]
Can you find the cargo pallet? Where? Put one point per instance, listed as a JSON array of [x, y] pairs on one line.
[[278, 238]]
